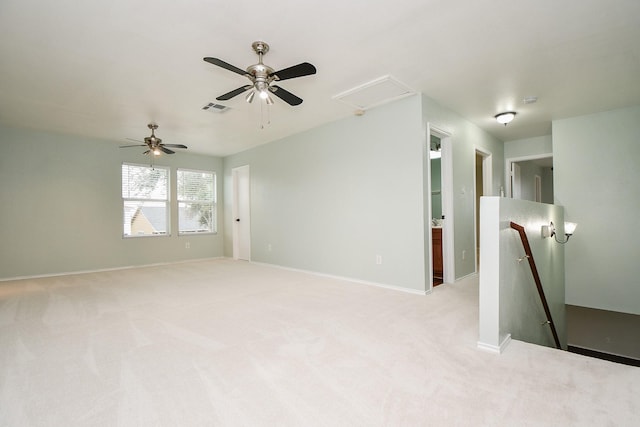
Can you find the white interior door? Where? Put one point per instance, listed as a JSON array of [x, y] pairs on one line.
[[241, 211], [516, 185]]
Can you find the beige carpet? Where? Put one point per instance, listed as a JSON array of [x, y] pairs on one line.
[[224, 343]]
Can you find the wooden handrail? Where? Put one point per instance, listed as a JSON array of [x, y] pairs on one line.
[[536, 278]]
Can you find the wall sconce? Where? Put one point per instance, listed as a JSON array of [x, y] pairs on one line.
[[550, 231], [505, 117]]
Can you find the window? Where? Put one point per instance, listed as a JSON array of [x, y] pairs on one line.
[[196, 202], [145, 200]]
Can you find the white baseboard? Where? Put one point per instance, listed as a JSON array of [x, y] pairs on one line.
[[348, 279], [468, 276], [494, 348], [100, 270]]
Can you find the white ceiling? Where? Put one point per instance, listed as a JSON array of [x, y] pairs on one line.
[[107, 68]]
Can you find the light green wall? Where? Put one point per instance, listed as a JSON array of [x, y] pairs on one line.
[[597, 180], [540, 146], [329, 200], [466, 138], [528, 147], [528, 171], [332, 198], [61, 208]]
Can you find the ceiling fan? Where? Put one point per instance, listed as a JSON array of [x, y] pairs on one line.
[[262, 76], [155, 145]]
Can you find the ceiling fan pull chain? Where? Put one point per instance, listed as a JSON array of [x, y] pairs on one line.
[[268, 114]]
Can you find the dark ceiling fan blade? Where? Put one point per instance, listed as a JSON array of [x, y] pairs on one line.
[[138, 145], [174, 145], [147, 152], [286, 96], [225, 65], [299, 70], [134, 140], [227, 96], [166, 150]]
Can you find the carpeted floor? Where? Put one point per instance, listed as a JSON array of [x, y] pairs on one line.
[[225, 343]]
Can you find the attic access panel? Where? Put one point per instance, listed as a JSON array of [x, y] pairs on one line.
[[376, 92]]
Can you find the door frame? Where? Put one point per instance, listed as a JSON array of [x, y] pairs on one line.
[[515, 181], [487, 190], [446, 162], [235, 212]]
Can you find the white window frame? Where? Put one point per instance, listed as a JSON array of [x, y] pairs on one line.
[[151, 200], [213, 202]]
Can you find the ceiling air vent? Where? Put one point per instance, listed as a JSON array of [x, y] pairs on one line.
[[215, 108], [376, 92]]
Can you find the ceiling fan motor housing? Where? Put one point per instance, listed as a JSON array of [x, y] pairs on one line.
[[262, 75]]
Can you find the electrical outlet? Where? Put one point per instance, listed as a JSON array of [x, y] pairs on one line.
[[464, 254], [187, 245], [379, 259], [269, 247]]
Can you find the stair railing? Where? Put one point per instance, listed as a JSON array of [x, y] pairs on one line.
[[536, 278]]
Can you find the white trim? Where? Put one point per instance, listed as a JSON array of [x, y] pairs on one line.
[[347, 279], [448, 229], [428, 217], [493, 348], [487, 170], [213, 201], [487, 190], [102, 270], [235, 208], [405, 90]]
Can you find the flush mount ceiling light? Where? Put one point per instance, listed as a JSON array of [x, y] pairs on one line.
[[505, 117]]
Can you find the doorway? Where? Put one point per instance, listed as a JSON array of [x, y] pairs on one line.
[[241, 213], [439, 219], [435, 159], [516, 183], [482, 184]]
